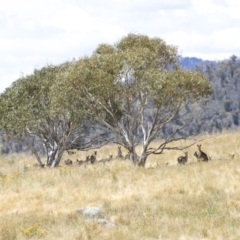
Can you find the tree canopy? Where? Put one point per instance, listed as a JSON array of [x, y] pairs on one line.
[[40, 110], [132, 89], [135, 87]]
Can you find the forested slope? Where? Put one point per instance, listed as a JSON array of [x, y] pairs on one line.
[[222, 110]]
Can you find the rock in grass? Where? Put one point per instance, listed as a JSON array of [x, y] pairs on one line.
[[106, 223], [91, 212]]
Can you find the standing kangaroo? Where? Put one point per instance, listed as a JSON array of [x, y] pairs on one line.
[[183, 159], [93, 157], [127, 156], [200, 155], [120, 156]]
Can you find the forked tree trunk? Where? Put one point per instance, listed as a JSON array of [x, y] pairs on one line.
[[57, 160], [51, 156], [54, 152], [51, 149]]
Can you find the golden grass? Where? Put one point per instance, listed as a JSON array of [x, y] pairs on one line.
[[195, 201]]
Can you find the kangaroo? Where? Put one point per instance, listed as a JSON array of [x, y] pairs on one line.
[[68, 162], [88, 160], [93, 157], [196, 155], [183, 159], [127, 156], [120, 153], [104, 160], [200, 155], [80, 162]]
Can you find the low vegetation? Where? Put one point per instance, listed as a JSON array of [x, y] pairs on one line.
[[164, 200]]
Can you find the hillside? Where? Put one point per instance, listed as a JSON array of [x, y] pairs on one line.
[[192, 62], [222, 110], [194, 201]]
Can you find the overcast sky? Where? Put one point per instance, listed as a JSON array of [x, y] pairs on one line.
[[36, 32]]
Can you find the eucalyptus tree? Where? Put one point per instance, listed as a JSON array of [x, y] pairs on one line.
[[134, 88], [40, 108], [23, 104]]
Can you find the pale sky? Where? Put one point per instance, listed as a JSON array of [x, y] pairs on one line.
[[36, 32]]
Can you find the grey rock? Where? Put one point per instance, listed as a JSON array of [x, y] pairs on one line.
[[106, 223], [91, 212]]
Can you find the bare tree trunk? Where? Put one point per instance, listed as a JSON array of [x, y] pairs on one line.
[[132, 159], [57, 160], [142, 160], [51, 150], [37, 157], [30, 144], [133, 156], [51, 156]]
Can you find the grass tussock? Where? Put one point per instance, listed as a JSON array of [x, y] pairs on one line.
[[194, 201]]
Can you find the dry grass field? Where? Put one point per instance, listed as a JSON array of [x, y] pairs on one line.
[[192, 201]]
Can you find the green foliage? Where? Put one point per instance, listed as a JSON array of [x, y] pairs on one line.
[[41, 107], [116, 86], [27, 101], [148, 52], [134, 84], [115, 75]]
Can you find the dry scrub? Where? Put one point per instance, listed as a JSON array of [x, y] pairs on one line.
[[195, 201]]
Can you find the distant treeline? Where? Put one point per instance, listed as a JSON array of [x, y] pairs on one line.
[[222, 110]]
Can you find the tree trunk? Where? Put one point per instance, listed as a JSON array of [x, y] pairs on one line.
[[57, 160], [30, 145], [37, 157], [51, 156], [142, 160], [133, 156], [51, 149]]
